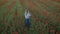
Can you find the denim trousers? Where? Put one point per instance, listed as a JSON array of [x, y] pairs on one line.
[[27, 22]]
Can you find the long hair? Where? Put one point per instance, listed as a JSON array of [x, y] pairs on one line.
[[26, 11]]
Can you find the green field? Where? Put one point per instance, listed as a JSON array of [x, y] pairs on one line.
[[45, 17]]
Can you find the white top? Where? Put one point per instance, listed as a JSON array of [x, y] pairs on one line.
[[27, 15]]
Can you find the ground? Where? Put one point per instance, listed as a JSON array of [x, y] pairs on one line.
[[45, 17]]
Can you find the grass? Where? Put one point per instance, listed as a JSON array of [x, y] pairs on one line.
[[12, 23]]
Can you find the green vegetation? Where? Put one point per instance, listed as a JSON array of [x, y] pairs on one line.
[[12, 20]]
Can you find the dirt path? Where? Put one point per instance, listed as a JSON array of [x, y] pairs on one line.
[[22, 2], [3, 2]]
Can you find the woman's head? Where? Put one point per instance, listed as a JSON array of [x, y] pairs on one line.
[[26, 10]]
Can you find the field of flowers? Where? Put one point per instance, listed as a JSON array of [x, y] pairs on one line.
[[45, 17]]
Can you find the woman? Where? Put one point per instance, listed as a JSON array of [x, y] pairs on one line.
[[27, 18]]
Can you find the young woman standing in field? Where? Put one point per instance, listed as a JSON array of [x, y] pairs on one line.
[[27, 18]]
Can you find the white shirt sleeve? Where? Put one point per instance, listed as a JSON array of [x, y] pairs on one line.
[[29, 13]]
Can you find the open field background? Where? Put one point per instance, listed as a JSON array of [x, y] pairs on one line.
[[45, 17]]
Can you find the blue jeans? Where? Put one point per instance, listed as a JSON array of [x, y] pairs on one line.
[[27, 23]]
